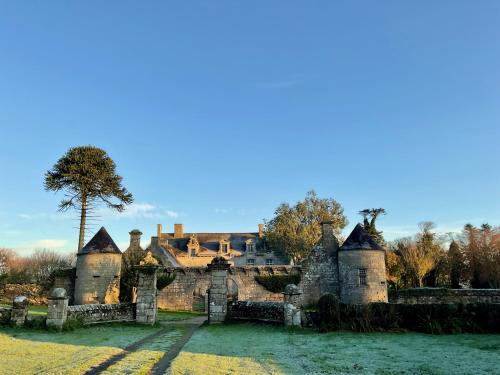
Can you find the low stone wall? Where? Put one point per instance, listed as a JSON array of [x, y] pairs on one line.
[[103, 313], [5, 315], [442, 295], [261, 311]]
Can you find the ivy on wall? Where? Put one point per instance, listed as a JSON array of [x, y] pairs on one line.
[[277, 283], [164, 280]]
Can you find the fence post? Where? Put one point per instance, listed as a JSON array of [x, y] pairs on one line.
[[291, 309], [217, 293], [57, 308]]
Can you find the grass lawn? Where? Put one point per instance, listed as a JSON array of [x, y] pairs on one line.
[[24, 351], [165, 315], [259, 349]]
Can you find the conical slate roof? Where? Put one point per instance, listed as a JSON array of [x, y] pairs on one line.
[[359, 239], [101, 243]]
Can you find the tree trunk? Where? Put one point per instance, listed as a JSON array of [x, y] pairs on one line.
[[83, 218]]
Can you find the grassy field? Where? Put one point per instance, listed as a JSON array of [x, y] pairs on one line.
[[165, 315], [24, 351], [257, 349]]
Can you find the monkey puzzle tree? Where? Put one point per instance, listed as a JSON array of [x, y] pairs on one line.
[[87, 175], [369, 225]]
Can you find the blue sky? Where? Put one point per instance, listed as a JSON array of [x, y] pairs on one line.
[[216, 112]]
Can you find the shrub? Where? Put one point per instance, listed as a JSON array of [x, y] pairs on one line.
[[329, 313], [277, 283]]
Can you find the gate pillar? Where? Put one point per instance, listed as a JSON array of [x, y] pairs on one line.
[[217, 293]]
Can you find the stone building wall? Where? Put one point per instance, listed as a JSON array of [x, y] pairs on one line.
[[97, 278], [67, 282], [190, 286], [441, 295], [320, 269], [375, 290]]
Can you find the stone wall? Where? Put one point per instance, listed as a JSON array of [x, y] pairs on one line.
[[261, 311], [441, 295], [320, 269], [188, 290], [5, 315], [100, 313]]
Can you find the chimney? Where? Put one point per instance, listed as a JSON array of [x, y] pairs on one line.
[[135, 238], [158, 231], [328, 238], [261, 230], [178, 230]]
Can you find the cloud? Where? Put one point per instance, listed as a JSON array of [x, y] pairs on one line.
[[137, 211], [221, 210], [50, 244], [172, 214], [279, 84], [44, 216]]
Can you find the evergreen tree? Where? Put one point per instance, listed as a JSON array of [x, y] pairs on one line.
[[87, 175], [370, 216]]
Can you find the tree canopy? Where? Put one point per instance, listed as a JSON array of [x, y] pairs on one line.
[[87, 174], [294, 230]]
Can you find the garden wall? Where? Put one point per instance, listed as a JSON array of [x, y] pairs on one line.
[[442, 295], [102, 313], [188, 290], [261, 311], [5, 315]]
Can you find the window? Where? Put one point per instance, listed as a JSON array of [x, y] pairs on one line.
[[250, 262], [362, 276], [250, 247], [269, 262], [193, 252], [224, 248]]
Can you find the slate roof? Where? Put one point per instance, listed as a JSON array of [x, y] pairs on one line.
[[101, 243], [359, 239], [209, 242]]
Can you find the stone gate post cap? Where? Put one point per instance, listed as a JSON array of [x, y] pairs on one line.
[[58, 293], [219, 263], [291, 289], [20, 302]]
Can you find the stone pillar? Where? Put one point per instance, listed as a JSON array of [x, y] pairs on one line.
[[19, 310], [217, 293], [146, 306], [291, 306], [57, 308]]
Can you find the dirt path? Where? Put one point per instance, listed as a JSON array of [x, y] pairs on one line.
[[161, 366]]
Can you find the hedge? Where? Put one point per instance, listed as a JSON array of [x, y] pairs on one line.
[[427, 318], [277, 283]]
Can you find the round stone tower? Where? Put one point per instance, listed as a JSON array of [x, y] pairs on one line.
[[98, 266], [362, 269]]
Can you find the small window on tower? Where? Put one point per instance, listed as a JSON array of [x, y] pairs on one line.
[[269, 262], [362, 276]]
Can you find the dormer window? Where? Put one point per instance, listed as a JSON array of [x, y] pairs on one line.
[[193, 246], [224, 247], [250, 246]]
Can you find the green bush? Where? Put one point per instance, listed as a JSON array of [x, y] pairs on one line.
[[329, 313], [277, 283], [427, 318]]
